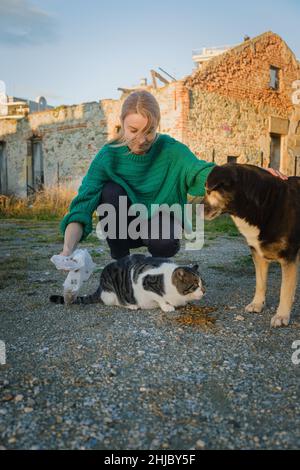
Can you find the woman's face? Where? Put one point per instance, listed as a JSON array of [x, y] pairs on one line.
[[134, 123]]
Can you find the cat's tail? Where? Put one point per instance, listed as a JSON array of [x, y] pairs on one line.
[[82, 299]]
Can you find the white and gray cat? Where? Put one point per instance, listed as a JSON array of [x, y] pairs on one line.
[[139, 281]]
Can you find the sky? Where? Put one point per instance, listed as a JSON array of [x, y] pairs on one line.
[[74, 51]]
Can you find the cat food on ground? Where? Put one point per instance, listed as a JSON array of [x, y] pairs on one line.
[[196, 315]]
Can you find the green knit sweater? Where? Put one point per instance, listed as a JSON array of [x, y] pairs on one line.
[[164, 175]]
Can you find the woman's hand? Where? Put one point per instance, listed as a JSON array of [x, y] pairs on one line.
[[276, 173], [65, 252]]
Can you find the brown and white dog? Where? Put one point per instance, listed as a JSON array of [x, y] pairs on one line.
[[266, 210]]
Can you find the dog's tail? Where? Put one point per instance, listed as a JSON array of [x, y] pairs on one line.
[[83, 299]]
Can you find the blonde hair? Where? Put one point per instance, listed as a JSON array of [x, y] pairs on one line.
[[138, 102]]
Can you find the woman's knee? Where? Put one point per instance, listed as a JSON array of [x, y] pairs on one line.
[[111, 192], [163, 248]]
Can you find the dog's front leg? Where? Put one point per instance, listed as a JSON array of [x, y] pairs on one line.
[[261, 274], [287, 294]]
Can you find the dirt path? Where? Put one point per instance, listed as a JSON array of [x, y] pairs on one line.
[[108, 378]]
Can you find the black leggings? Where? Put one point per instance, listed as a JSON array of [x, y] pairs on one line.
[[120, 247]]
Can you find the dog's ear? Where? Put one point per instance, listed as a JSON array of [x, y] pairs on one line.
[[196, 267], [223, 177], [215, 186], [230, 175]]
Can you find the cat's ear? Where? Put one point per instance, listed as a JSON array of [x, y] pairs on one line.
[[180, 273], [196, 267]]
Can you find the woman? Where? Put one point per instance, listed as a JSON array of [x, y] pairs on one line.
[[145, 167]]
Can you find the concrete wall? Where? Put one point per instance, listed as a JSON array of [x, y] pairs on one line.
[[72, 135]]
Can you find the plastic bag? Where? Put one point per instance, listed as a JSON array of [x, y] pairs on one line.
[[80, 265]]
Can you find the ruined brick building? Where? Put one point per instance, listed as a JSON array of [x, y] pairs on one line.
[[239, 106]]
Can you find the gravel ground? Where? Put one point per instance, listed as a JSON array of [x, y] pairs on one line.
[[97, 377]]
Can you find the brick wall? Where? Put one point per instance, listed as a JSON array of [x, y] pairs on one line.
[[231, 104], [244, 73]]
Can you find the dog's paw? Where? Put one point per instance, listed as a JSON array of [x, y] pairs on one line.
[[167, 308], [279, 320], [255, 307]]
